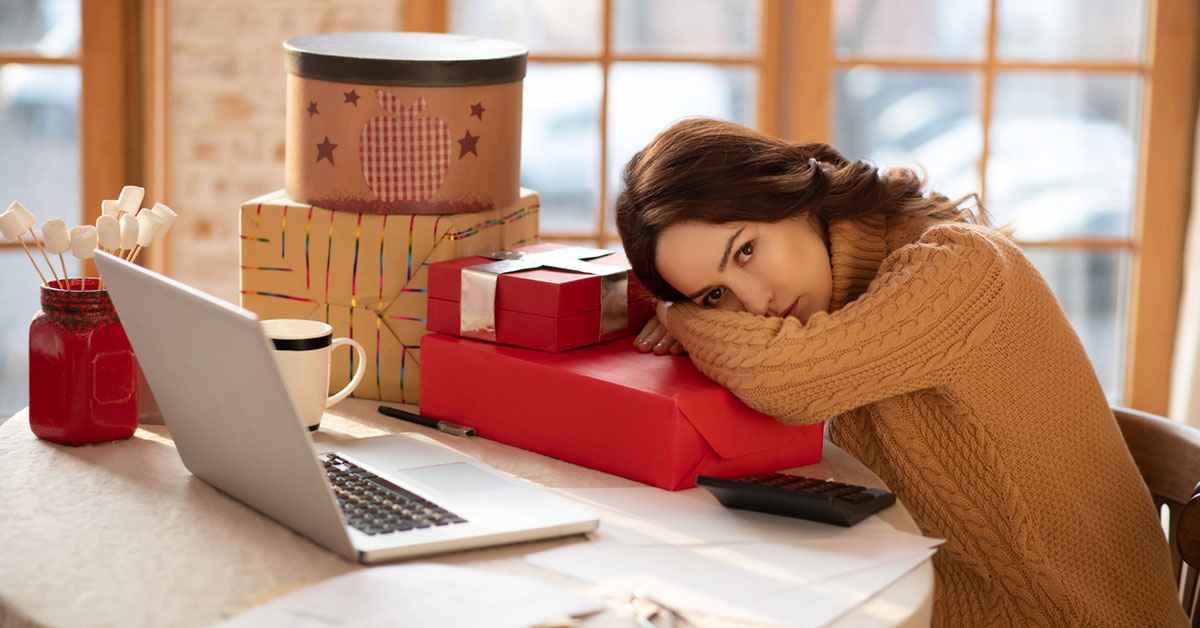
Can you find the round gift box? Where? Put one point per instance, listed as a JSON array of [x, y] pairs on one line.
[[404, 123]]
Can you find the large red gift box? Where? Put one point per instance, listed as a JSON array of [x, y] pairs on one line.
[[654, 419], [547, 307]]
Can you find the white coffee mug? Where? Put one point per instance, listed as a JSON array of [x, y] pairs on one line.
[[303, 351]]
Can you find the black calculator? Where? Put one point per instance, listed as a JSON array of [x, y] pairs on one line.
[[797, 496]]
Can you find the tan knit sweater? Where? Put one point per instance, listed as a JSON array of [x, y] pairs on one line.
[[947, 366]]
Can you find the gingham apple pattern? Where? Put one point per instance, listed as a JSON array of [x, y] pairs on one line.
[[404, 158]]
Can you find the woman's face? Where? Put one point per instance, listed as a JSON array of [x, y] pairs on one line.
[[765, 268]]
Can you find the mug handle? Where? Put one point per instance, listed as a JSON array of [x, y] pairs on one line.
[[358, 373]]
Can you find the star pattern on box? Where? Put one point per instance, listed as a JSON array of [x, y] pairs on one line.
[[467, 145], [312, 108], [325, 150], [351, 97], [477, 110]]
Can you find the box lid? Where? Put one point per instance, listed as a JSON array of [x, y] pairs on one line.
[[406, 59]]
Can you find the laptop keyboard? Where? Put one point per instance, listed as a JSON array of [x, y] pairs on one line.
[[377, 506]]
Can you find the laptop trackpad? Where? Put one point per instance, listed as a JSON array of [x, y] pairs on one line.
[[454, 478]]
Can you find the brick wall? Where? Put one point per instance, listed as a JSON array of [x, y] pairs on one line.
[[226, 99]]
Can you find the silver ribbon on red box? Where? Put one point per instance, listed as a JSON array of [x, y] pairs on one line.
[[477, 315]]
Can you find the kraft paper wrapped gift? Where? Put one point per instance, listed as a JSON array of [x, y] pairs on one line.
[[654, 419], [364, 274], [547, 296]]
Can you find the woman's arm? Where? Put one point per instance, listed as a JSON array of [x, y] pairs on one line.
[[931, 304]]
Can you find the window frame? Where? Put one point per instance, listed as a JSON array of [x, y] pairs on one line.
[[797, 62], [108, 54]]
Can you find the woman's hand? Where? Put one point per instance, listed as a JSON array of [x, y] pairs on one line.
[[655, 337]]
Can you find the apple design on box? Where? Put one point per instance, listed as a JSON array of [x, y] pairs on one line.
[[403, 157]]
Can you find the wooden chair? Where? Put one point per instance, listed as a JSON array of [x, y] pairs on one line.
[[1168, 455]]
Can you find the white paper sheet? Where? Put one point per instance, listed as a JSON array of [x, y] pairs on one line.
[[420, 594], [787, 585], [650, 516], [822, 603]]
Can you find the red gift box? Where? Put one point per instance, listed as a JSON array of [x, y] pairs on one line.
[[554, 308], [654, 419]]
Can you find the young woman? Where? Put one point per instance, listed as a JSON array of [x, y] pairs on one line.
[[820, 289]]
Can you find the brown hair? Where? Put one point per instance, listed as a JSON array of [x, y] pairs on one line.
[[715, 171]]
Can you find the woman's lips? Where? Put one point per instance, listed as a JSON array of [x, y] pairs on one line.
[[788, 312]]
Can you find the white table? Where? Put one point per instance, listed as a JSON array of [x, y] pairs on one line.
[[121, 534]]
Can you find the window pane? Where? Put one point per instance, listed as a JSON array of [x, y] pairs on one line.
[[544, 26], [1111, 30], [39, 133], [560, 143], [20, 294], [645, 98], [39, 166], [686, 27], [937, 29], [1092, 287], [923, 120], [45, 27], [1063, 160]]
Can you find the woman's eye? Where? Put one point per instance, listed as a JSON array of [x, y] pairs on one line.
[[744, 253], [714, 297]]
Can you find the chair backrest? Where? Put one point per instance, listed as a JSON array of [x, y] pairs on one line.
[[1168, 455]]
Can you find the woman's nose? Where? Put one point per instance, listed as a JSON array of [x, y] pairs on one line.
[[749, 297]]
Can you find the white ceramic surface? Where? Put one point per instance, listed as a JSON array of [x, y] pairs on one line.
[[306, 372]]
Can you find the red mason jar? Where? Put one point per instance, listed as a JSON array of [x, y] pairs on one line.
[[82, 372]]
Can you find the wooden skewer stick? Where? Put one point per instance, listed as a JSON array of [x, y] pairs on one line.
[[133, 253], [66, 277], [44, 256], [35, 266], [56, 239]]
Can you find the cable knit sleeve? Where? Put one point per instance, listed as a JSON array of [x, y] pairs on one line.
[[930, 304]]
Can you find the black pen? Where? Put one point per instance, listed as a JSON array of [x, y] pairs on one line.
[[441, 426]]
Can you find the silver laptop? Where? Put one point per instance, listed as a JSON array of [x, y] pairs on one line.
[[235, 426]]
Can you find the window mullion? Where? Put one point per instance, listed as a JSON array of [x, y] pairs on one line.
[[989, 85], [810, 118], [605, 68]]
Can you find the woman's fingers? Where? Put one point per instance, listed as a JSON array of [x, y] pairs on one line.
[[650, 336], [666, 345], [654, 337]]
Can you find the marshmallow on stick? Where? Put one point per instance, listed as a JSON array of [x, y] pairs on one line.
[[83, 246], [110, 207], [83, 242], [27, 221], [129, 233], [130, 200], [149, 225], [168, 217], [13, 226], [58, 241], [108, 233]]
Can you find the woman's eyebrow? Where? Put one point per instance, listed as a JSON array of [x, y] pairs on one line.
[[728, 247], [721, 266]]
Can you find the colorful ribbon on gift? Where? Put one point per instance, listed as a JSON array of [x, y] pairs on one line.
[[516, 215]]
